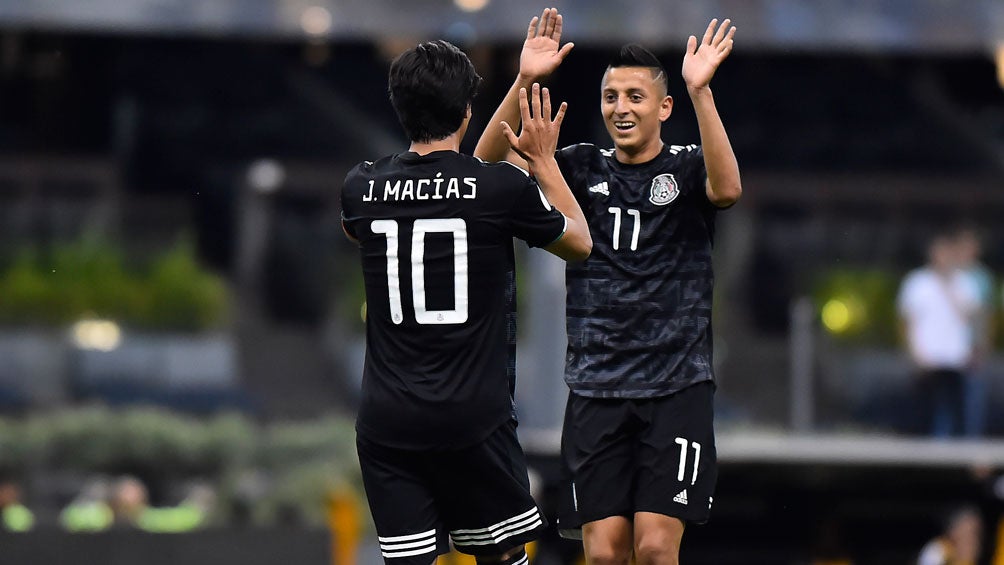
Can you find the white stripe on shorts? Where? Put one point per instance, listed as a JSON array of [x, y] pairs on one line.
[[409, 545], [496, 533]]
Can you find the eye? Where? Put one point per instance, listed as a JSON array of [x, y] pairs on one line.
[[609, 98], [636, 97]]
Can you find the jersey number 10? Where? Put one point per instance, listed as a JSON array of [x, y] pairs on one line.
[[455, 226]]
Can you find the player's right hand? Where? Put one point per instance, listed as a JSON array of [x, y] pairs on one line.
[[539, 136], [542, 50]]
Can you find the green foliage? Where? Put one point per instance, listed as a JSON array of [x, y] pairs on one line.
[[306, 461], [100, 439], [90, 278], [869, 296]]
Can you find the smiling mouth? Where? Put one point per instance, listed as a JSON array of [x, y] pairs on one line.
[[624, 126]]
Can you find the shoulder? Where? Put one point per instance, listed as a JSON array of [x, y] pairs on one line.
[[359, 170], [367, 169], [502, 172], [581, 152], [916, 280], [509, 169], [685, 157], [685, 151]]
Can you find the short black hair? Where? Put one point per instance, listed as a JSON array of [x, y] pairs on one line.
[[634, 55], [431, 86]]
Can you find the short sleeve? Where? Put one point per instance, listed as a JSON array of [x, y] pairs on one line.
[[694, 172], [347, 214], [533, 219], [347, 227], [573, 162]]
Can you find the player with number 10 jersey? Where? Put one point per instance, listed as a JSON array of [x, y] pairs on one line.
[[436, 239]]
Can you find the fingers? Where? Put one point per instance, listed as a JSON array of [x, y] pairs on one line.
[[720, 34], [531, 32], [691, 45], [524, 107], [710, 32], [560, 117], [536, 105], [535, 101], [725, 47], [545, 105], [550, 22], [557, 29], [510, 136], [564, 51]]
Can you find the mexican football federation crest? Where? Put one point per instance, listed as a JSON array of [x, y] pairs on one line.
[[664, 190]]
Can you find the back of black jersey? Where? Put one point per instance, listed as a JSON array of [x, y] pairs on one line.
[[435, 234], [639, 309]]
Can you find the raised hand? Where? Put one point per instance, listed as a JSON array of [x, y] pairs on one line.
[[701, 61], [542, 50], [539, 138]]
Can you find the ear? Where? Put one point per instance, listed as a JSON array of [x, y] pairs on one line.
[[665, 108]]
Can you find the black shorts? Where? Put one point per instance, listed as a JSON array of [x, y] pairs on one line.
[[623, 456], [479, 496]]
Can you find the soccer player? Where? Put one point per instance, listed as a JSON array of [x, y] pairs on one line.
[[436, 432], [638, 441]]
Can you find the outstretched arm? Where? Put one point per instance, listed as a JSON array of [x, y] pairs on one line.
[[541, 55], [699, 65], [536, 144]]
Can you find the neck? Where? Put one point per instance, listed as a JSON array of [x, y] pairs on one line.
[[642, 155], [448, 143]]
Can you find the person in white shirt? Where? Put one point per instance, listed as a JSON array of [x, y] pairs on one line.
[[937, 304]]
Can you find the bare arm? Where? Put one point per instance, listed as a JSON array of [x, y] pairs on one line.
[[536, 145], [699, 64], [540, 56]]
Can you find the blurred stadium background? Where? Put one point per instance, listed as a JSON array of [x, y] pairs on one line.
[[177, 303]]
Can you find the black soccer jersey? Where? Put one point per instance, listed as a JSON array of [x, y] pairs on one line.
[[435, 235], [639, 309]]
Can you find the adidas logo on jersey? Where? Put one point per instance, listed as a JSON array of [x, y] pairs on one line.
[[601, 188], [681, 498]]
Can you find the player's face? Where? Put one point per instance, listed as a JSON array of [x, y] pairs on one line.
[[634, 106]]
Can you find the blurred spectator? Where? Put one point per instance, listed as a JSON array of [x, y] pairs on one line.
[[969, 250], [14, 516], [131, 506], [89, 511], [125, 504], [936, 304], [959, 542], [128, 501]]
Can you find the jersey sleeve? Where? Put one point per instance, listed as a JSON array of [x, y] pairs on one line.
[[533, 219], [694, 172], [572, 162], [346, 200]]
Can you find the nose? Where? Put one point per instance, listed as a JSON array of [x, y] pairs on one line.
[[620, 106]]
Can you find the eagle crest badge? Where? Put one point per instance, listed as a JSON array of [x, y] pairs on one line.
[[664, 190]]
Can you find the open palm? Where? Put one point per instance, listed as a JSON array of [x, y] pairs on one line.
[[702, 60], [542, 50]]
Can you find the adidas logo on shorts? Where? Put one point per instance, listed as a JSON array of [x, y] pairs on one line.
[[681, 498]]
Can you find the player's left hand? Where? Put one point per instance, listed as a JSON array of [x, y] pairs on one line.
[[542, 51], [702, 60]]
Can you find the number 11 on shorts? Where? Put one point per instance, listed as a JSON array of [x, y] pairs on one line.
[[682, 442]]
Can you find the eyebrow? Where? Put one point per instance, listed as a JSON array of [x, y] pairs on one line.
[[629, 91]]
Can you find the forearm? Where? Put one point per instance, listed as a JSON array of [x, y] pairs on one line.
[[554, 187], [725, 186], [493, 146]]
